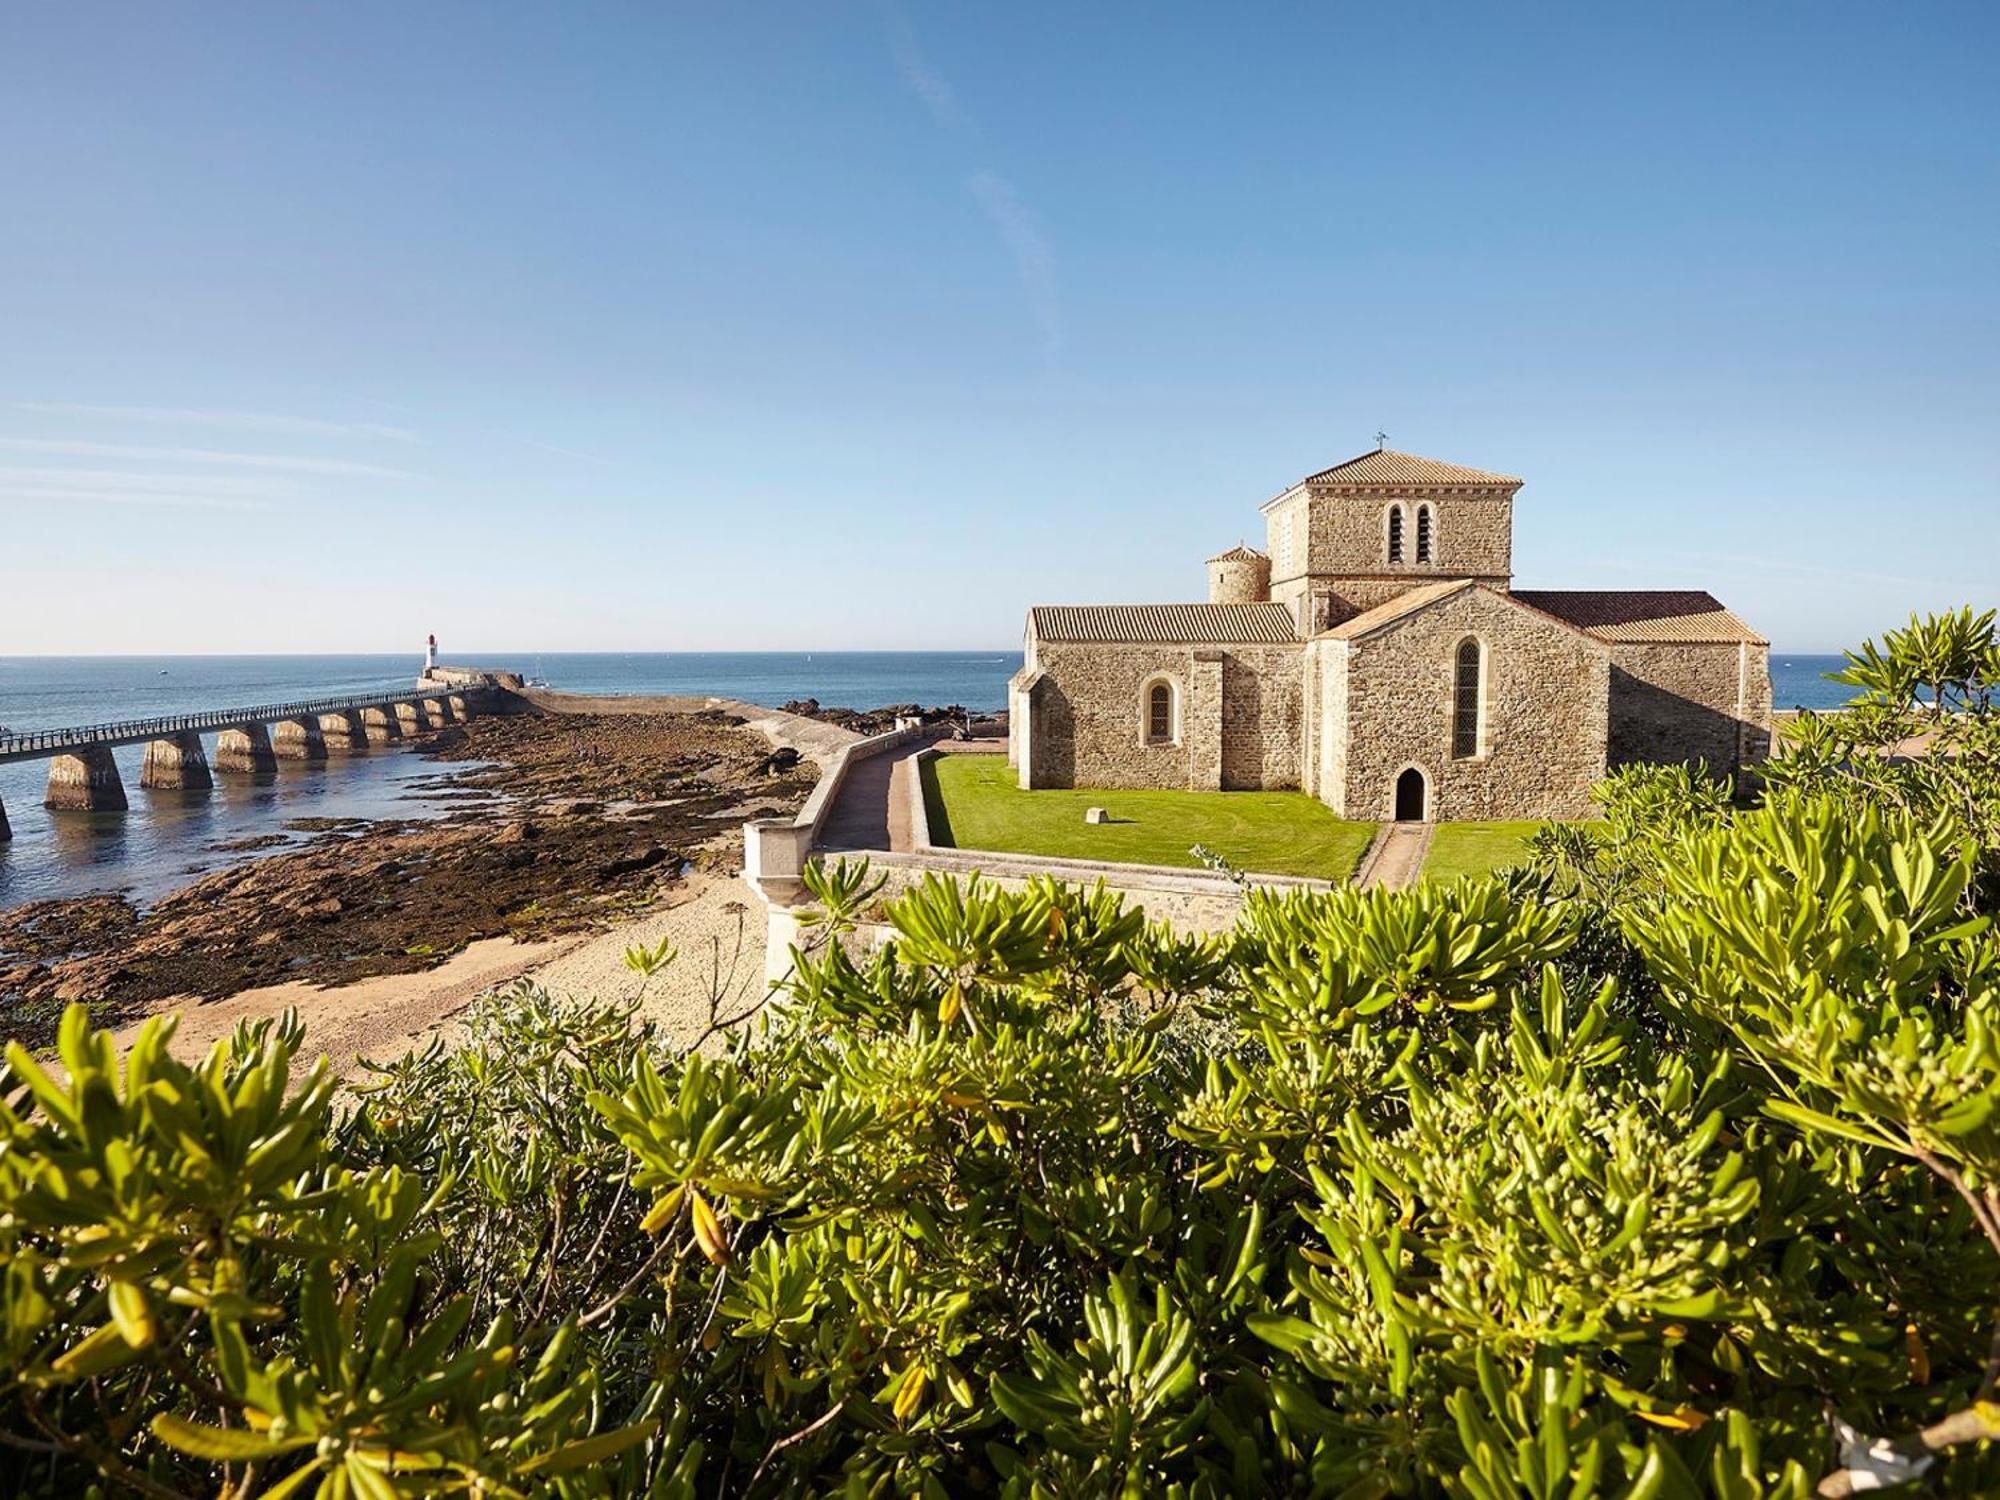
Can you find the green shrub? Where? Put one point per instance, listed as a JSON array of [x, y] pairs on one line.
[[1377, 1197], [1670, 1168]]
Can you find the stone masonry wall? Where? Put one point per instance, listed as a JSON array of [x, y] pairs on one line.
[[1546, 697], [1339, 554], [1473, 534], [1239, 716], [1677, 701]]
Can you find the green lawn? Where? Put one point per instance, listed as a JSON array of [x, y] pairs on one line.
[[1474, 848], [973, 803]]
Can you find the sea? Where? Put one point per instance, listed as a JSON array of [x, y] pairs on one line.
[[170, 838]]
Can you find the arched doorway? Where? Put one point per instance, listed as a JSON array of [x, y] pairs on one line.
[[1410, 796]]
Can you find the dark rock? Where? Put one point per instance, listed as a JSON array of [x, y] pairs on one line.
[[645, 859]]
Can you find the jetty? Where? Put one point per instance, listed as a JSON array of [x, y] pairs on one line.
[[84, 777]]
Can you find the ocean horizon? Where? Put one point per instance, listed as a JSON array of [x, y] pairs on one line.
[[171, 838]]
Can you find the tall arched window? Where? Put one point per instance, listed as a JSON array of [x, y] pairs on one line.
[[1160, 713], [1395, 533], [1465, 705], [1424, 548]]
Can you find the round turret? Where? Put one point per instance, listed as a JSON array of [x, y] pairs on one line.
[[1242, 575]]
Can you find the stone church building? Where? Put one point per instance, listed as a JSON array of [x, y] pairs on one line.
[[1377, 656]]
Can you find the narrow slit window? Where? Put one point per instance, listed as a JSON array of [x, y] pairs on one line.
[[1395, 533], [1424, 534], [1160, 713], [1465, 703]]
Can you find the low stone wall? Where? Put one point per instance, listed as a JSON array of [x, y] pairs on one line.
[[775, 850]]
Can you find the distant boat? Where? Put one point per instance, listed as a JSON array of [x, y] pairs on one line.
[[163, 671]]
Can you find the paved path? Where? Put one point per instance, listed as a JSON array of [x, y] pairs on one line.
[[873, 808], [1396, 858]]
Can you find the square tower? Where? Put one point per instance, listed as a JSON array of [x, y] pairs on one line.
[[1362, 532]]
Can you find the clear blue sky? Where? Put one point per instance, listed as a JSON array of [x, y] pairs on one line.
[[651, 326]]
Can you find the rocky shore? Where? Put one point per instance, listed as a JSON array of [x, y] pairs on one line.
[[562, 821]]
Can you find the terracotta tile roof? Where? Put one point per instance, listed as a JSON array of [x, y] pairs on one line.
[[1643, 614], [1239, 550], [1387, 466], [1164, 624], [1403, 604]]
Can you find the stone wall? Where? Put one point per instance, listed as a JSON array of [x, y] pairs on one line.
[[1678, 701], [1235, 579], [1237, 722], [1339, 564], [1546, 693]]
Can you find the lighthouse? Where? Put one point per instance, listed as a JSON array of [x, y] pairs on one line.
[[430, 653]]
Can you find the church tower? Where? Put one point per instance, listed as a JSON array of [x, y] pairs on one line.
[[1358, 534]]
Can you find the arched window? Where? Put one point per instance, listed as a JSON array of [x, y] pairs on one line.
[[1424, 548], [1160, 714], [1465, 705], [1395, 533]]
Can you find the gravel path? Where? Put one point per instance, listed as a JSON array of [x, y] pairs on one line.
[[1396, 858]]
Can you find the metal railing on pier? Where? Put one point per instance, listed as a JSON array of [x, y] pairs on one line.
[[39, 742]]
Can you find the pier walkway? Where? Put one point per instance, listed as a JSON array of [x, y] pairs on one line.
[[83, 776]]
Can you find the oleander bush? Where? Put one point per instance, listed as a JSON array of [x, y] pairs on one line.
[[1671, 1168]]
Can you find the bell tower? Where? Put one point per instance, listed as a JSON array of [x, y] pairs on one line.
[[1358, 534]]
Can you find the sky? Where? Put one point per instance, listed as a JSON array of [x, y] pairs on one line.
[[659, 327]]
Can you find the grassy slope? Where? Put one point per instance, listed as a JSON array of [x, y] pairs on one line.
[[1474, 848], [974, 804]]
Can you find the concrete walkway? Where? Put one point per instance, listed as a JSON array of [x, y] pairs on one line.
[[1396, 858], [870, 811], [873, 808]]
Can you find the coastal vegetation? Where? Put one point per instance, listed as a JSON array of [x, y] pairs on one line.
[[973, 802], [1666, 1165]]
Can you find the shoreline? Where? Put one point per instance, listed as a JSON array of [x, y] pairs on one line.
[[591, 821]]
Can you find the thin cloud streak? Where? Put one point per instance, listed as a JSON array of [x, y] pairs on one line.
[[1034, 261], [161, 499], [249, 421], [923, 80], [140, 482], [79, 449]]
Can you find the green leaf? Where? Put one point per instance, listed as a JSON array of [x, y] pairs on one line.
[[588, 1450], [227, 1445]]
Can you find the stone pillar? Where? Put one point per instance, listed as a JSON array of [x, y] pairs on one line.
[[342, 731], [6, 833], [460, 709], [438, 709], [247, 749], [298, 739], [176, 763], [380, 725], [411, 716], [1201, 722], [86, 781]]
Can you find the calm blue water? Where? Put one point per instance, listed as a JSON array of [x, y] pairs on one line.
[[170, 837]]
